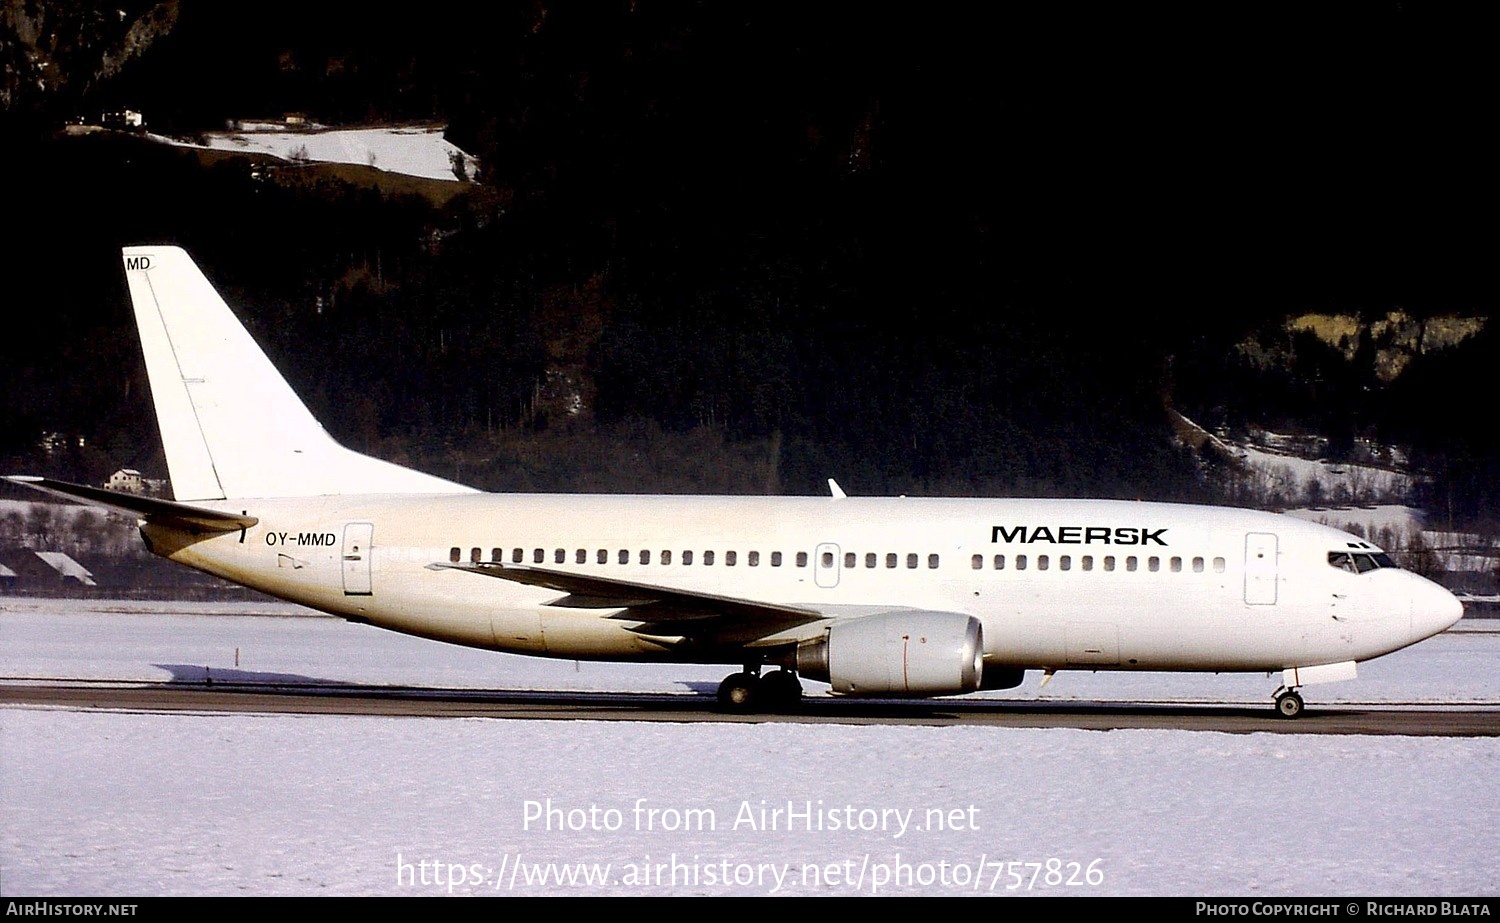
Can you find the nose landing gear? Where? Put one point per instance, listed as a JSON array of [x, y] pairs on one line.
[[1288, 703]]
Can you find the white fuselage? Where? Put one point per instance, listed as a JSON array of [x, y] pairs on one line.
[[875, 596], [1056, 584]]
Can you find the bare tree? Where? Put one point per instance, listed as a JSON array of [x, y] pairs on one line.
[[43, 527], [12, 528], [87, 531], [1313, 491], [1359, 485], [1421, 557]]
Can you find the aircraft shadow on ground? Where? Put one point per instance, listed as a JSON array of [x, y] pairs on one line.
[[200, 675]]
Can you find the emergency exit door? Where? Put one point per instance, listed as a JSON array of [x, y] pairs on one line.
[[1260, 569], [358, 537]]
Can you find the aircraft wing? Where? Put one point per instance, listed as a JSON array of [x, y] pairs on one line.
[[195, 519], [645, 601]]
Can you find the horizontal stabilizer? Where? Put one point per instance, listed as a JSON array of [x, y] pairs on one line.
[[194, 519]]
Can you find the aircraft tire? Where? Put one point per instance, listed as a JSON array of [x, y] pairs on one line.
[[780, 691], [1289, 704], [740, 693]]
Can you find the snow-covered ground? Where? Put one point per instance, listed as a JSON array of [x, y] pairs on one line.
[[1399, 521], [130, 803], [412, 151]]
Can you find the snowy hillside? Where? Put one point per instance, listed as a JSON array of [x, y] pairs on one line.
[[414, 151], [1318, 479]]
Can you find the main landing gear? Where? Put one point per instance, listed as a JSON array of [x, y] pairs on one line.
[[1288, 703], [748, 692]]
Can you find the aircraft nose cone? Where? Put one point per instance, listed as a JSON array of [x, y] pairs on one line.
[[1434, 610]]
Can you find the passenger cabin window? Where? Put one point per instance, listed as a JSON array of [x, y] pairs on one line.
[[517, 555], [890, 560], [581, 556], [624, 557], [455, 554], [708, 558], [559, 556], [753, 559], [775, 559], [687, 557], [977, 562], [730, 557], [911, 562], [849, 559], [801, 559], [666, 557], [538, 556], [999, 562], [602, 556], [870, 559]]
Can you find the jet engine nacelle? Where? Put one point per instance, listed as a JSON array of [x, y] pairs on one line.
[[898, 653]]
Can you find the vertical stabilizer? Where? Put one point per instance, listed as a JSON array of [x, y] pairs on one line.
[[230, 424]]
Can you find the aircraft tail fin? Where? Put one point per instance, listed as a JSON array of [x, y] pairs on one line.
[[231, 426]]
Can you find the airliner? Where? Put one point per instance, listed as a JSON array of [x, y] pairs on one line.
[[889, 597]]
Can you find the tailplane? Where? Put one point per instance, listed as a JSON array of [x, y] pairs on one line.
[[230, 424]]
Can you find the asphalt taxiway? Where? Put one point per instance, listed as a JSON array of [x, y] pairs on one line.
[[413, 702]]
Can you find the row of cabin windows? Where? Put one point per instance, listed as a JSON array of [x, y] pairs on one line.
[[891, 560], [623, 556], [709, 558], [1086, 562]]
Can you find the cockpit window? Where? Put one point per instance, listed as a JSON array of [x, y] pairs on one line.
[[1359, 562]]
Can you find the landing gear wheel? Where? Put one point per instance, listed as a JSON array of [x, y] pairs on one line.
[[740, 692], [1289, 704], [780, 691]]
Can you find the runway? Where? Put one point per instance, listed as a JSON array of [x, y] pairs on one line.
[[409, 702], [278, 659]]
